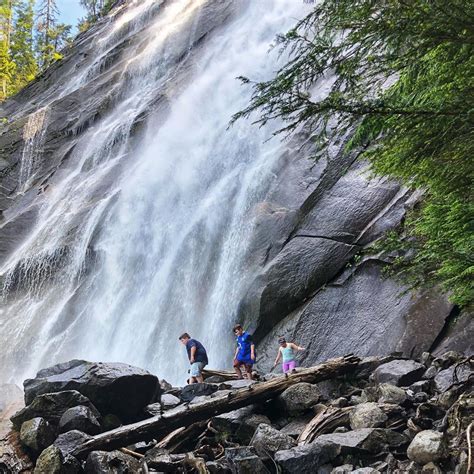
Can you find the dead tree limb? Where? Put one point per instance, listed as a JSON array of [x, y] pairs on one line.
[[184, 415]]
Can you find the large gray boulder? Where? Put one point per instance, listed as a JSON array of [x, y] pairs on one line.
[[371, 440], [51, 407], [267, 441], [427, 446], [80, 418], [299, 397], [113, 462], [68, 442], [37, 434], [244, 460], [367, 415], [399, 372], [447, 377], [197, 390], [229, 422], [389, 393], [307, 458], [53, 461], [249, 425], [112, 387]]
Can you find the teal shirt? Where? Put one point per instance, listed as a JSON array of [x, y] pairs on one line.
[[287, 353]]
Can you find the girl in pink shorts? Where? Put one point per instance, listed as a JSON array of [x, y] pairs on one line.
[[287, 351]]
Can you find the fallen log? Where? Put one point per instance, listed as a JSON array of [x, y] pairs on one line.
[[184, 415], [225, 374], [325, 421]]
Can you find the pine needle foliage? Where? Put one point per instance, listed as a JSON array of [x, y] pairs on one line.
[[401, 77]]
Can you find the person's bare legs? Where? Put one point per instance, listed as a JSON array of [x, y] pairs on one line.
[[200, 379], [248, 370], [237, 369]]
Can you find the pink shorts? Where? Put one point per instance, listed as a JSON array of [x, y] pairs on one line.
[[288, 366]]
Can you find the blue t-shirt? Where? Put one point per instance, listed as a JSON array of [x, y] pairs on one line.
[[244, 342], [200, 355]]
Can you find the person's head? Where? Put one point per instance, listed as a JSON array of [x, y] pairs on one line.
[[238, 331], [282, 341], [184, 338]]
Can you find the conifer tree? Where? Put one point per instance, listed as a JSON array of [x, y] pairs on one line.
[[400, 77], [47, 21], [22, 48], [7, 67]]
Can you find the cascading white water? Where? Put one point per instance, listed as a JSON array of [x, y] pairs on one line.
[[169, 239]]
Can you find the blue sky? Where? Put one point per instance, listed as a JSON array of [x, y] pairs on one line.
[[70, 11]]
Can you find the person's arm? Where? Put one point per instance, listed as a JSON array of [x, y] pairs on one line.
[[296, 347], [193, 353], [236, 352], [252, 351], [278, 357]]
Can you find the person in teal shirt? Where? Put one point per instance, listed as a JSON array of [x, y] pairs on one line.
[[287, 351]]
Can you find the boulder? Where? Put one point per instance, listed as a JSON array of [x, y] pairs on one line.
[[80, 418], [113, 462], [197, 390], [447, 377], [299, 397], [51, 407], [427, 446], [110, 422], [244, 460], [37, 434], [215, 379], [161, 460], [236, 384], [430, 373], [367, 415], [68, 442], [307, 458], [169, 401], [373, 440], [112, 387], [421, 386], [165, 386], [267, 441], [389, 393], [447, 359], [296, 426], [248, 427], [399, 372], [231, 421], [52, 461]]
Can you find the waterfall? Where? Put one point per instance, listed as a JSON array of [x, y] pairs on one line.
[[33, 135], [119, 275]]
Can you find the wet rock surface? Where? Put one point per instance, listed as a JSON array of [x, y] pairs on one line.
[[99, 462], [111, 387]]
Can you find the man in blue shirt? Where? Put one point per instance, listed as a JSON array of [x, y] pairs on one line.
[[245, 352], [197, 356]]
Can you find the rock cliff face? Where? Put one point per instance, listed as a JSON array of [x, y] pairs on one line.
[[58, 190]]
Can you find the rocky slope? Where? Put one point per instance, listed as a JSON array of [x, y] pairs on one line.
[[373, 415], [302, 277]]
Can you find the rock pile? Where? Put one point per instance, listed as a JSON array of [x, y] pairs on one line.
[[394, 416]]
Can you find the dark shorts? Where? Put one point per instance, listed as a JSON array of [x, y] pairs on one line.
[[247, 363]]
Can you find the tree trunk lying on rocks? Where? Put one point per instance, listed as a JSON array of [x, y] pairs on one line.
[[225, 374], [160, 425]]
